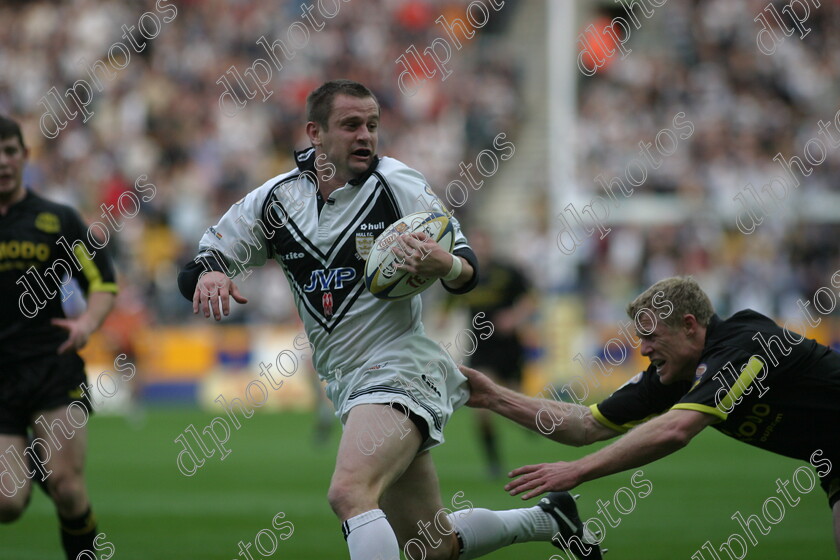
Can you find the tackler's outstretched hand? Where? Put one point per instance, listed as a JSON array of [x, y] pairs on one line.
[[545, 477], [483, 391], [213, 293]]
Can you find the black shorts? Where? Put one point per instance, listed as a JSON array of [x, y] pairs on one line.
[[38, 384]]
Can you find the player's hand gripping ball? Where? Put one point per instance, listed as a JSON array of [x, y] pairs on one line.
[[382, 277]]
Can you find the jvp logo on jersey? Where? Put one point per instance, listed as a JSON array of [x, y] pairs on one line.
[[323, 280]]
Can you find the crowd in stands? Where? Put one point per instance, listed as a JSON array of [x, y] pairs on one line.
[[702, 59], [160, 116]]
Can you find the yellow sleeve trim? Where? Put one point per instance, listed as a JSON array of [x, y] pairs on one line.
[[603, 420], [91, 272], [748, 375], [701, 408]]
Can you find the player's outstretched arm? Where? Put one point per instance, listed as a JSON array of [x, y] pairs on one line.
[[644, 444], [572, 424], [213, 292], [79, 329]]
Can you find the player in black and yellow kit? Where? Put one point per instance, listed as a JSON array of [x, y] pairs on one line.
[[41, 375], [746, 376]]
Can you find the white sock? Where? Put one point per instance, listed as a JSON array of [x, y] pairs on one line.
[[483, 530], [370, 537]]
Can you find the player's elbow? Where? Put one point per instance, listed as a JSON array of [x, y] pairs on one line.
[[678, 436], [682, 425], [593, 431]]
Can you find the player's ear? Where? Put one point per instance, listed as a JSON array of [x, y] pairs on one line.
[[690, 323], [313, 130]]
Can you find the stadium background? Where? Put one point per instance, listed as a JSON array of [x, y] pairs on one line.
[[159, 116]]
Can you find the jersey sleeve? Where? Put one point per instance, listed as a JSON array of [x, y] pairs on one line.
[[637, 401], [414, 194], [722, 379], [240, 237], [237, 243], [97, 270]]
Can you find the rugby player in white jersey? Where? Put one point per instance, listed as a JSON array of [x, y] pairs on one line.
[[393, 388]]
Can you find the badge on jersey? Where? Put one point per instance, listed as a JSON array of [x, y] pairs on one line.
[[47, 222], [327, 302], [364, 243], [698, 374]]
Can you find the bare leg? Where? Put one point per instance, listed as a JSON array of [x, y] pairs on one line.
[[377, 446], [414, 508], [15, 487]]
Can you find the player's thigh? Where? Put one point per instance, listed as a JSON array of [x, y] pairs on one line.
[[377, 445], [66, 445], [14, 476], [413, 502]]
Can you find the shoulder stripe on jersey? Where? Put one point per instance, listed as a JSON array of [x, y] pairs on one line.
[[92, 273], [748, 375], [266, 203], [290, 224], [386, 187]]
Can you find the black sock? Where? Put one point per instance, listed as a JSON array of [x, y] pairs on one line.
[[491, 448], [77, 534]]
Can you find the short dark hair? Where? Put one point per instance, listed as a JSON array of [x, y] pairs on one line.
[[319, 102], [10, 129]]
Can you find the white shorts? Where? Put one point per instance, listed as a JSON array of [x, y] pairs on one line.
[[413, 372]]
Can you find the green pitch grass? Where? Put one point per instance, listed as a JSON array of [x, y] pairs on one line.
[[149, 510]]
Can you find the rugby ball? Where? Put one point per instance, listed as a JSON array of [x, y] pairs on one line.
[[382, 277]]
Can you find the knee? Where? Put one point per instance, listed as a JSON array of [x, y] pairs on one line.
[[11, 510], [348, 497], [67, 491], [341, 497]]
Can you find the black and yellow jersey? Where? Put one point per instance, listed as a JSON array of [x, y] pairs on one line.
[[42, 244], [767, 386]]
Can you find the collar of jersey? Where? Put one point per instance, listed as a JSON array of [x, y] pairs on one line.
[[306, 163]]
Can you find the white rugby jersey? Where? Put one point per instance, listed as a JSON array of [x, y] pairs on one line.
[[322, 247]]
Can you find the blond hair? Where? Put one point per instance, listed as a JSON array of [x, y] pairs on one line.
[[674, 297]]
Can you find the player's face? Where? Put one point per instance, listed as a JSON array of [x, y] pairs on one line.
[[12, 161], [673, 350], [350, 140]]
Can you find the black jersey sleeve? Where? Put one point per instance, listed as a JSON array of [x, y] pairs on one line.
[[638, 400], [470, 257], [722, 379], [94, 270]]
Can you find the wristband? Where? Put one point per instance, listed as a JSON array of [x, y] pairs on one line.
[[455, 271]]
